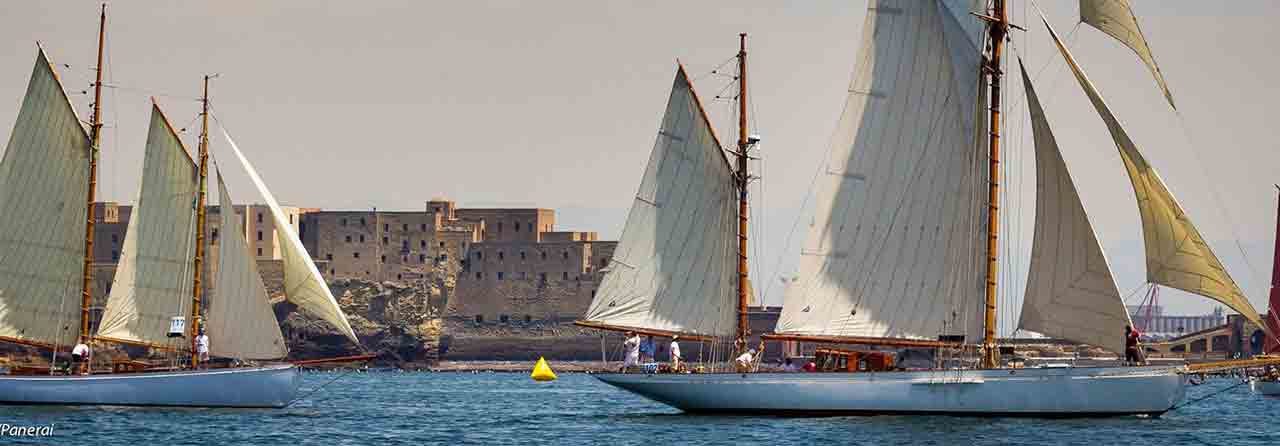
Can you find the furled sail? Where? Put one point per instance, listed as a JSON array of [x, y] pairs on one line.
[[1115, 17], [1070, 291], [154, 277], [240, 321], [897, 245], [1177, 255], [675, 266], [303, 285], [44, 179]]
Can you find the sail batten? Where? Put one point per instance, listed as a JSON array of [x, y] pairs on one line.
[[303, 284], [1071, 293], [154, 277], [240, 322], [1116, 19], [674, 269], [1177, 256], [43, 175], [896, 239]]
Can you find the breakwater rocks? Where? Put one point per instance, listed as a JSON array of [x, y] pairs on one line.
[[399, 323]]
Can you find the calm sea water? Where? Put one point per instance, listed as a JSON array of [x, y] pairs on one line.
[[506, 408]]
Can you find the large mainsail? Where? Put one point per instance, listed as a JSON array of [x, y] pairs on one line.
[[43, 186], [240, 321], [1177, 255], [1115, 17], [303, 284], [674, 267], [1070, 291], [896, 248], [154, 277]]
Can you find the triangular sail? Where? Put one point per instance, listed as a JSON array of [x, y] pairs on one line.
[[303, 284], [154, 276], [1070, 290], [44, 179], [1115, 17], [674, 267], [897, 246], [1177, 255], [240, 321]]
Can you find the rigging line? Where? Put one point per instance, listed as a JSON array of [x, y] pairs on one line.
[[320, 387], [149, 92], [1211, 395]]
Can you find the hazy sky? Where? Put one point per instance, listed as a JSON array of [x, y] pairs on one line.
[[346, 105]]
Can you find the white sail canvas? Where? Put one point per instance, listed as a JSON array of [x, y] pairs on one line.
[[44, 178], [1115, 17]]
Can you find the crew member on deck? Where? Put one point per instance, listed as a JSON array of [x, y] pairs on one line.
[[675, 354], [80, 356], [648, 353], [202, 347], [631, 345], [1132, 356], [746, 360]]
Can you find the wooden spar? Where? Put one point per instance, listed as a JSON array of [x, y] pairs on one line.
[[744, 327], [95, 137], [893, 342], [355, 358], [645, 331], [167, 348], [996, 30], [197, 290], [1222, 366], [30, 343]]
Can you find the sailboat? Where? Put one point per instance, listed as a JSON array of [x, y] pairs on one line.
[[902, 252], [47, 208]]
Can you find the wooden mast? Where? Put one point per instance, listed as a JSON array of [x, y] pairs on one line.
[[95, 136], [996, 29], [742, 178], [197, 288]]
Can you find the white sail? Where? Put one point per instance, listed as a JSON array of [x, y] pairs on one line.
[[1177, 255], [897, 246], [1071, 293], [240, 321], [1115, 17], [44, 180], [675, 266], [303, 285], [153, 280]]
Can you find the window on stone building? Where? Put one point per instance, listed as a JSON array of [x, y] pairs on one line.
[[215, 235], [384, 259], [479, 319], [565, 255], [362, 222], [565, 276], [544, 255], [328, 256], [504, 318], [604, 263], [423, 244], [404, 227], [523, 275], [302, 229], [515, 226], [422, 258], [115, 239], [290, 219], [361, 238], [259, 252], [404, 259], [386, 227], [331, 272], [386, 240], [522, 255], [542, 277], [441, 244], [424, 227], [404, 244], [593, 293], [342, 222], [115, 256], [479, 255], [501, 255], [399, 276], [259, 235], [499, 275], [530, 227], [499, 226], [528, 318], [259, 217], [355, 255], [444, 257], [348, 239]]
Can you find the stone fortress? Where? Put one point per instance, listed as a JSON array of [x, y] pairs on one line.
[[503, 283]]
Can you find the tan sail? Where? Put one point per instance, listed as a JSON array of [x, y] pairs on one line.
[[1071, 293], [303, 284], [154, 277], [42, 215], [240, 321], [1115, 17], [896, 248], [674, 269], [1177, 255]]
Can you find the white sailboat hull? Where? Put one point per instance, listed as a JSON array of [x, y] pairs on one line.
[[268, 386], [1265, 387], [1037, 392]]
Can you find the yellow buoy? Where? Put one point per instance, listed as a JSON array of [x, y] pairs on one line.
[[542, 371]]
